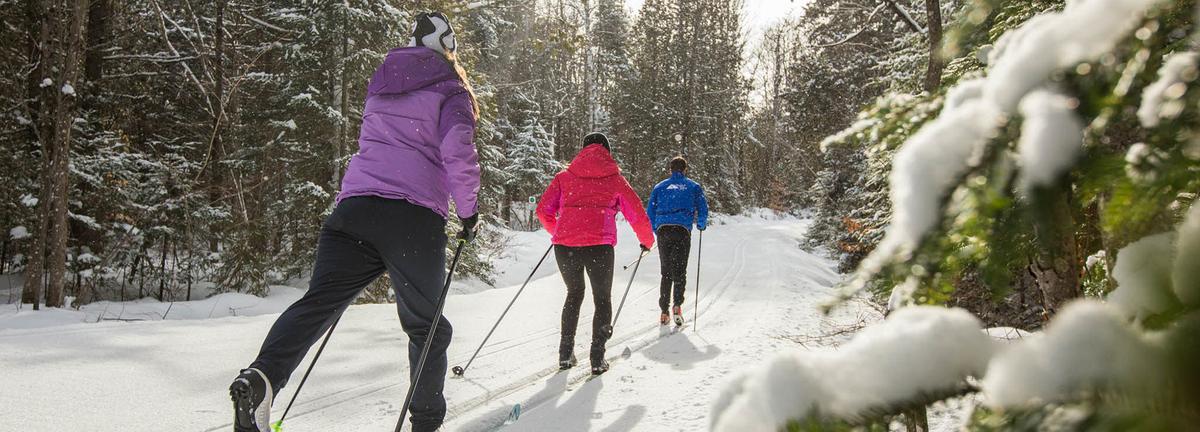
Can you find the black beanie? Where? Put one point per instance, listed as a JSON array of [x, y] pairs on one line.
[[596, 138]]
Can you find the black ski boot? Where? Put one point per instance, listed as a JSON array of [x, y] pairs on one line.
[[600, 368], [567, 364], [251, 394]]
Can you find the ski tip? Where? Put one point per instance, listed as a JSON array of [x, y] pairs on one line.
[[458, 370]]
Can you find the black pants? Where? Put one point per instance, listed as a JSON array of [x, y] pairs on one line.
[[364, 237], [597, 261], [674, 244]]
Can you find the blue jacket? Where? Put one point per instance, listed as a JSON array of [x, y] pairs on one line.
[[678, 201]]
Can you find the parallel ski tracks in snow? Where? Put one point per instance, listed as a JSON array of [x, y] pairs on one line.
[[618, 344], [640, 338]]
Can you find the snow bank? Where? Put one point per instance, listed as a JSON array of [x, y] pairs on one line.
[[1161, 99], [148, 309], [1143, 275], [1051, 137], [1087, 346], [1186, 275], [917, 350]]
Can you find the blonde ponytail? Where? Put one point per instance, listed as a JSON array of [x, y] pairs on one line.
[[452, 57]]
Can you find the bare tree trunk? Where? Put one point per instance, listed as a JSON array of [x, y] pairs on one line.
[[216, 152], [933, 74], [98, 37], [1056, 270], [916, 420], [40, 52], [162, 270], [343, 95], [64, 117]]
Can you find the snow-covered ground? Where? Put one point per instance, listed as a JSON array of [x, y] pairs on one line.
[[759, 295]]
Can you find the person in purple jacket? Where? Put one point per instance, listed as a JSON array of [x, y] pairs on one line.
[[416, 152]]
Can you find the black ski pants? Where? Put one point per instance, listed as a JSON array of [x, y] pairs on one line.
[[364, 237], [674, 244], [597, 262]]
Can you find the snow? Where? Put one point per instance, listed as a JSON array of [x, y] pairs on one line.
[[28, 200], [916, 350], [46, 82], [1087, 346], [1186, 275], [149, 309], [1086, 29], [1094, 259], [1161, 99], [902, 295], [1008, 334], [1143, 275], [18, 233], [757, 290], [1051, 137], [68, 90]]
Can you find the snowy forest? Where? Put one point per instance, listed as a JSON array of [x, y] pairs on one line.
[[962, 166]]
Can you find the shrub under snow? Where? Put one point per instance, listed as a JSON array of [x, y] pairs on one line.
[[1088, 346], [930, 163], [920, 350]]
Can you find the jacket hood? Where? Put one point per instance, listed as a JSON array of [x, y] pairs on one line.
[[409, 69], [594, 162]]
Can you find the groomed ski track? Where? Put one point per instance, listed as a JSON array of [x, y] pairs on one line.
[[757, 287]]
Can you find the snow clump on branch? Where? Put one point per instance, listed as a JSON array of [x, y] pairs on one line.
[[1088, 346], [1161, 99], [920, 351]]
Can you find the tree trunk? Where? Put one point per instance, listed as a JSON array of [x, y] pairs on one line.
[[216, 151], [40, 52], [1056, 269], [162, 271], [933, 74], [64, 117], [98, 37], [343, 95], [916, 420]]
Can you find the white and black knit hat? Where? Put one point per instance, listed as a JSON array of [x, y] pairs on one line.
[[432, 30]]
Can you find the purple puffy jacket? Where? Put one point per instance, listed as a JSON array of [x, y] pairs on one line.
[[417, 139]]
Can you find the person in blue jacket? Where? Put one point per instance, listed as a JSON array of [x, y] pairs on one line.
[[675, 205]]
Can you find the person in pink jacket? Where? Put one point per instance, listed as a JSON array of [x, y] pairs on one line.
[[579, 210], [416, 152]]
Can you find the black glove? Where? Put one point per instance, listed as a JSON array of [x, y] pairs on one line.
[[468, 228], [645, 248]]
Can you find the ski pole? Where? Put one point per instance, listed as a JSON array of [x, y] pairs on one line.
[[609, 329], [278, 426], [696, 311], [460, 370], [639, 258], [429, 337]]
